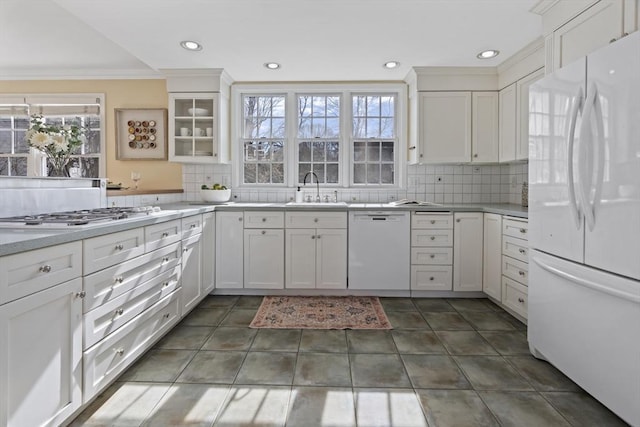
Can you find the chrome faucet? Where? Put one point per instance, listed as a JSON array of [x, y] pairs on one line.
[[304, 182]]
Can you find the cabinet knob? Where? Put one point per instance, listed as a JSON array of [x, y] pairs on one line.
[[185, 250], [433, 237], [119, 311], [166, 315], [315, 219], [165, 259], [240, 219], [194, 225], [119, 247], [475, 155], [421, 155], [522, 251], [264, 232], [81, 294], [612, 40], [522, 273], [432, 278], [119, 279], [119, 351], [318, 236], [313, 237], [413, 147], [264, 219], [523, 230], [432, 256], [433, 221], [165, 284], [165, 234], [458, 220], [45, 268], [520, 300]]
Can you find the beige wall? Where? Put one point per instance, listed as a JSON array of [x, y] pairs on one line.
[[118, 94]]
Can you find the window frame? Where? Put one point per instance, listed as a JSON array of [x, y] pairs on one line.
[[346, 91], [36, 160]]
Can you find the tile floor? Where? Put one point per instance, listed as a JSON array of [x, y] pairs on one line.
[[447, 362]]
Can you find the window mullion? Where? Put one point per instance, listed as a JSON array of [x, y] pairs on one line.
[[291, 140]]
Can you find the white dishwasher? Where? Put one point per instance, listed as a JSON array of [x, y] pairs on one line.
[[379, 250]]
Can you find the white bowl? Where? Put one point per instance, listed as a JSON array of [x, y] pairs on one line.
[[198, 111], [215, 196]]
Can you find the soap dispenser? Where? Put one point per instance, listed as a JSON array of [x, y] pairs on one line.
[[298, 195]]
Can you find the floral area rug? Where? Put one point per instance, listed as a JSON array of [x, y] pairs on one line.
[[317, 312]]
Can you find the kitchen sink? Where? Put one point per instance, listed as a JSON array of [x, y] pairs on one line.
[[318, 204]]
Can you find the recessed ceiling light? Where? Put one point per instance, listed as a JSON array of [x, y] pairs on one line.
[[391, 64], [272, 65], [191, 45], [487, 54]]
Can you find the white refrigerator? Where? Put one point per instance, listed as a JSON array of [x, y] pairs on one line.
[[584, 224]]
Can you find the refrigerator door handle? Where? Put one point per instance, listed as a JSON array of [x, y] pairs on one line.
[[585, 158], [598, 149], [575, 110]]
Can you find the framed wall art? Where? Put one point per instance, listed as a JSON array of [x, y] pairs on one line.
[[141, 133]]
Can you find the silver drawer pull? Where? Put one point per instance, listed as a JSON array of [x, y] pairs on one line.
[[81, 294], [119, 247], [119, 311], [45, 268], [119, 279], [165, 234], [315, 219], [313, 237], [522, 251], [240, 219], [522, 273], [264, 232], [433, 237], [185, 250], [119, 351], [194, 225], [520, 300], [165, 284], [432, 278], [165, 259], [433, 221], [523, 230], [264, 219], [432, 256], [166, 315], [458, 220], [318, 236]]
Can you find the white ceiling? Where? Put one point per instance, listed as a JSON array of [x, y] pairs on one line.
[[314, 40]]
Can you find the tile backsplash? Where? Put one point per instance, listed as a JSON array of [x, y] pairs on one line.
[[430, 183]]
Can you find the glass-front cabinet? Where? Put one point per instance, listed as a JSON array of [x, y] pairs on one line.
[[194, 135]]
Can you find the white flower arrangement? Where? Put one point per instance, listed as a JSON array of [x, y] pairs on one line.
[[57, 142]]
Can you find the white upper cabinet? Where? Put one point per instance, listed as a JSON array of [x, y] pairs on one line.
[[458, 127], [508, 123], [196, 131], [523, 108]]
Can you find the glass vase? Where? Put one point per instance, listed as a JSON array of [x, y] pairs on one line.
[[57, 167]]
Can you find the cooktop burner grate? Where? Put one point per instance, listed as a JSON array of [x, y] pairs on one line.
[[81, 217]]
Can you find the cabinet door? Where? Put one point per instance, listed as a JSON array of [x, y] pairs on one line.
[[208, 252], [193, 127], [229, 249], [445, 127], [492, 247], [484, 131], [191, 272], [467, 251], [507, 123], [40, 357], [522, 120], [331, 258], [592, 29], [300, 250], [264, 258]]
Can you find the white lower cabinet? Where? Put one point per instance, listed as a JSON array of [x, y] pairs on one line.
[[467, 251], [431, 251], [229, 250], [40, 357], [515, 265], [191, 273], [264, 258], [208, 252], [492, 268]]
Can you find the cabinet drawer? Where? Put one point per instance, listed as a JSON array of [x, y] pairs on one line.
[[112, 315], [431, 278], [103, 362], [263, 219], [316, 219], [431, 220], [432, 238], [191, 226], [515, 248], [514, 269], [104, 285], [432, 256], [111, 249], [163, 234], [29, 272], [515, 228], [514, 296]]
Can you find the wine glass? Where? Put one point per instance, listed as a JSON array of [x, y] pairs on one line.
[[135, 177]]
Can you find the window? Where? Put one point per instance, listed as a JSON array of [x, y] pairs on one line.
[[319, 137], [374, 139], [346, 136], [18, 159], [263, 139]]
